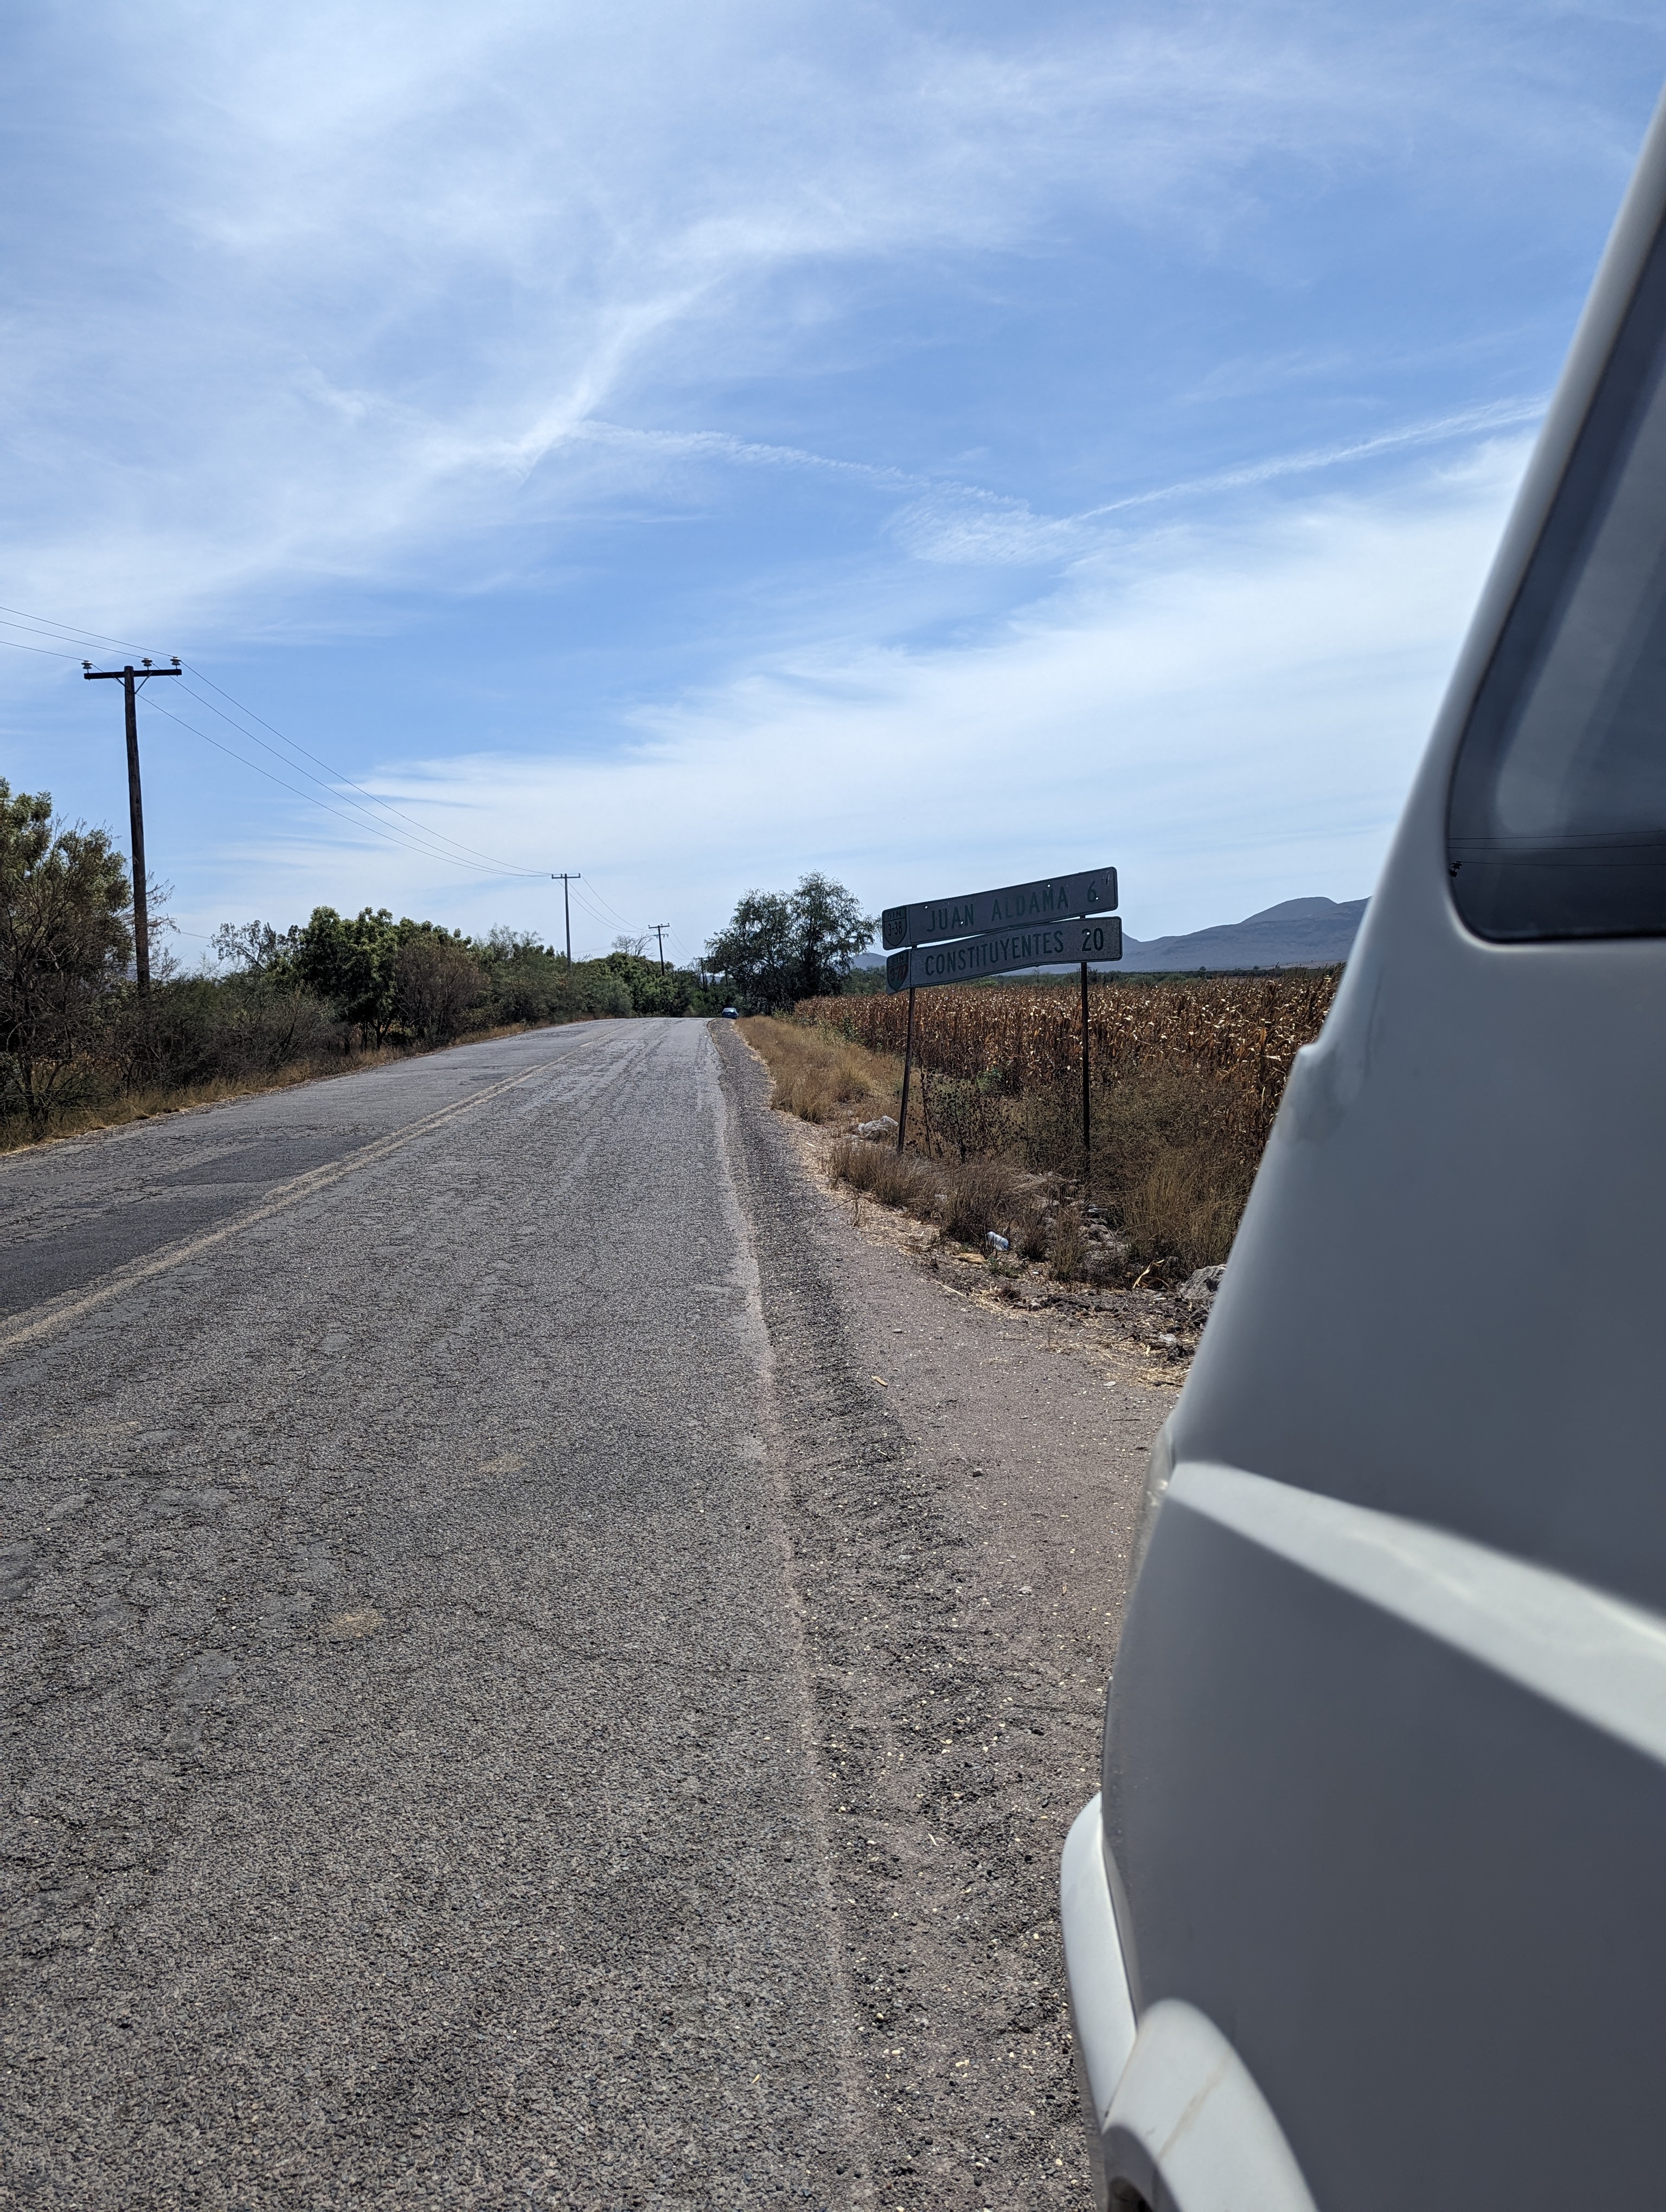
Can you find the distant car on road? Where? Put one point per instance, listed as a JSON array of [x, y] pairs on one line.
[[732, 1013], [1369, 1913]]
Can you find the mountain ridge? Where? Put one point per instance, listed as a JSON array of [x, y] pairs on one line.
[[1299, 932]]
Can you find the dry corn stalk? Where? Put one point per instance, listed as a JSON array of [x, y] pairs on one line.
[[1240, 1032]]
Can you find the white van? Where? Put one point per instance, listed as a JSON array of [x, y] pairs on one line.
[[1372, 1912]]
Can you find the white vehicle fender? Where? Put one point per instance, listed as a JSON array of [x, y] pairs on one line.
[[1189, 2130]]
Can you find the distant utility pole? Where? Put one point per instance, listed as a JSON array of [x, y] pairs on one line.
[[567, 911], [130, 678], [659, 929]]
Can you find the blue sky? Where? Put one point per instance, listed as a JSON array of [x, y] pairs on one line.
[[935, 444]]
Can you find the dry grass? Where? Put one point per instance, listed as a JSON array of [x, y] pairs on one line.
[[819, 1075], [1233, 1036], [1188, 1076], [894, 1178], [966, 1199], [1069, 1251]]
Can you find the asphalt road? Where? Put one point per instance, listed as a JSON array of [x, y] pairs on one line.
[[541, 1668], [407, 1793]]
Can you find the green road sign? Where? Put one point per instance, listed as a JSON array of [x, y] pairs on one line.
[[1056, 898], [1002, 951]]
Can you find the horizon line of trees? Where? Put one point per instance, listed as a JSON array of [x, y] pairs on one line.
[[74, 1024]]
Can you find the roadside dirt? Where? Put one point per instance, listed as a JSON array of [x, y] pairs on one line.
[[963, 1476]]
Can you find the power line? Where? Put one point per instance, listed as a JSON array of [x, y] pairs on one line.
[[363, 818], [593, 909], [45, 626], [353, 821], [46, 649], [436, 836], [613, 910], [596, 915], [68, 629], [503, 868]]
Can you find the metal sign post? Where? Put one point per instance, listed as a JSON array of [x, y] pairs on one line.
[[1087, 1139], [1046, 923], [908, 1068]]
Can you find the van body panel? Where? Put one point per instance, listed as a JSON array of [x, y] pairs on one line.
[[1418, 1894], [1385, 1776]]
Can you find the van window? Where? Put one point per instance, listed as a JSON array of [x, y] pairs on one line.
[[1557, 824]]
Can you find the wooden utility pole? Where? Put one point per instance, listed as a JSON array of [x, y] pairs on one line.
[[567, 911], [130, 678], [659, 929]]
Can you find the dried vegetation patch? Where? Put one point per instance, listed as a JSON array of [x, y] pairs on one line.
[[818, 1074], [81, 1115], [1187, 1079]]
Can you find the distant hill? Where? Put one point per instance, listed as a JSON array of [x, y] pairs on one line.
[[1302, 932]]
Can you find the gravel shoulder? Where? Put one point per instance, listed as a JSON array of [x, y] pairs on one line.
[[963, 1478]]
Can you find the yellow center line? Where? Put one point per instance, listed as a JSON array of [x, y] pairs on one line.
[[75, 1304]]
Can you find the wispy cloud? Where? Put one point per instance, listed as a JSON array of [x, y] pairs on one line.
[[963, 524], [383, 263], [697, 441], [1242, 704]]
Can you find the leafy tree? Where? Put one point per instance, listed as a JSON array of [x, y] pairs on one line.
[[350, 963], [255, 948], [437, 981], [754, 954], [201, 1029], [65, 941], [863, 983], [781, 947], [654, 990], [526, 979], [829, 930]]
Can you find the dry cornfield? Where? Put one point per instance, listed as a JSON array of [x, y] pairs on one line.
[[1237, 1034]]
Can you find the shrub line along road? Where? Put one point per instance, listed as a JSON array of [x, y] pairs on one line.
[[504, 1705]]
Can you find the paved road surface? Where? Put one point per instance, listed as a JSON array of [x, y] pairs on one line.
[[476, 1639], [408, 1799]]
